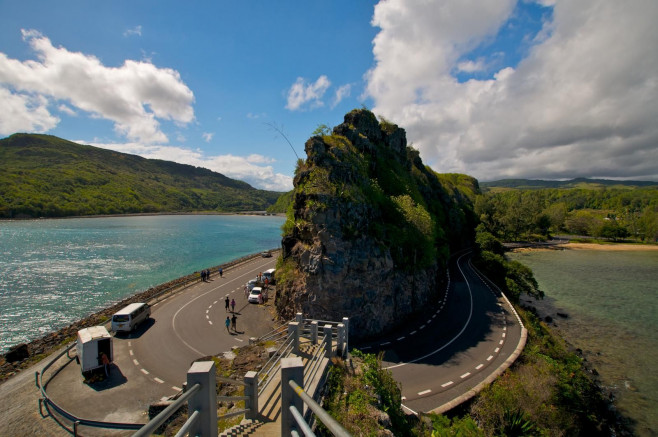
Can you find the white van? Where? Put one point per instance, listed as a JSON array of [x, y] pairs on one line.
[[128, 318], [92, 342], [269, 274]]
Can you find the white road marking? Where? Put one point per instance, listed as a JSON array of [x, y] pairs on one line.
[[490, 357], [504, 328], [447, 384], [144, 371], [411, 333], [467, 374], [239, 339], [503, 335], [382, 344], [158, 380], [501, 342], [137, 362], [207, 311], [209, 321], [214, 303], [479, 366], [401, 338], [424, 392], [497, 350], [422, 327], [130, 343], [176, 388], [131, 352]]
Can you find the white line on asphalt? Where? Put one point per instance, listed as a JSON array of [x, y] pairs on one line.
[[207, 311], [424, 392], [210, 322], [434, 315], [501, 342], [144, 371], [215, 302], [208, 317], [158, 380], [130, 343], [382, 344], [447, 384], [422, 327], [497, 350], [503, 335], [131, 352], [465, 375], [401, 338], [479, 366], [490, 357], [136, 362], [240, 340], [411, 333], [176, 388], [504, 328]]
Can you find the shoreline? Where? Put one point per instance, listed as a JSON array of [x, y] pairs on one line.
[[146, 214], [42, 347], [611, 247]]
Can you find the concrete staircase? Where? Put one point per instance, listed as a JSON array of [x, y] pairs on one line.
[[269, 403]]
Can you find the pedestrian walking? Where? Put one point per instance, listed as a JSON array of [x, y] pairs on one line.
[[226, 303], [267, 282], [227, 323], [234, 321], [233, 305], [221, 273], [246, 291]]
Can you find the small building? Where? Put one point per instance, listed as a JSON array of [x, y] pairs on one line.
[[92, 342]]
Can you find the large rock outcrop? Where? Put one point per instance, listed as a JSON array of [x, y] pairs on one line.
[[366, 237]]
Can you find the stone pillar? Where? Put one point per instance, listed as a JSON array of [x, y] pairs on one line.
[[346, 322], [340, 342], [291, 369], [293, 329], [314, 332], [251, 390], [299, 317], [205, 400], [328, 340]]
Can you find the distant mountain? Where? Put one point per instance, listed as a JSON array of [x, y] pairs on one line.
[[529, 184], [46, 176]]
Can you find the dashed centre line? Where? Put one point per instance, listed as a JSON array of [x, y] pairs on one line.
[[424, 392], [447, 384]]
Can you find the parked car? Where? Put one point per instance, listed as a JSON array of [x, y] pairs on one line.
[[266, 254], [251, 284], [256, 295]]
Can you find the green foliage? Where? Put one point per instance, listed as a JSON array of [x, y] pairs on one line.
[[612, 212], [443, 426], [322, 130], [353, 396], [45, 176], [282, 203]]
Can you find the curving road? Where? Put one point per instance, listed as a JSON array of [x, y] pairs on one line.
[[463, 341], [451, 350]]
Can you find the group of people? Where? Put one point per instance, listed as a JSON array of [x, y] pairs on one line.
[[232, 320], [205, 274]]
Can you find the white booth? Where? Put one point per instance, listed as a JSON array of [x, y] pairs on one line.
[[92, 343]]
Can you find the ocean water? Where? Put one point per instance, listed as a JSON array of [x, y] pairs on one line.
[[611, 298], [54, 272]]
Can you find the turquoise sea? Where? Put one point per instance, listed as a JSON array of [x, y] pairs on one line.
[[54, 272], [611, 298]]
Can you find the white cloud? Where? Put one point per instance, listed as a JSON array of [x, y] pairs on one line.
[[582, 103], [67, 110], [302, 93], [137, 30], [253, 169], [207, 136], [471, 66], [134, 96], [24, 112], [342, 92]]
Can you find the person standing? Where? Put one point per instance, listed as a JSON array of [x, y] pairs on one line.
[[227, 323], [226, 303], [221, 273], [106, 363], [233, 305], [234, 321]]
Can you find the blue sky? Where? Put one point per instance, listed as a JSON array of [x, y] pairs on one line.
[[536, 89]]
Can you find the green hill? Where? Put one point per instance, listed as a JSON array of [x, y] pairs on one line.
[[46, 176], [584, 183]]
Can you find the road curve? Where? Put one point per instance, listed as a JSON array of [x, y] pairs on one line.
[[469, 336]]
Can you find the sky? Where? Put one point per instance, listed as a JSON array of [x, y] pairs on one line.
[[543, 89]]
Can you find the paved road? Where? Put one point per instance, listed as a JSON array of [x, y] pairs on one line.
[[451, 349], [152, 362]]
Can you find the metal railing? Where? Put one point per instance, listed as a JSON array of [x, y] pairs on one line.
[[76, 422]]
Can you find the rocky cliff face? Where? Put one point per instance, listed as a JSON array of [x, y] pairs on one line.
[[366, 237]]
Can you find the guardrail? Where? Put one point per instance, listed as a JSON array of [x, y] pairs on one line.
[[75, 421]]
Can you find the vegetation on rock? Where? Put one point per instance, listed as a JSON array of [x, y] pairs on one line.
[[45, 176]]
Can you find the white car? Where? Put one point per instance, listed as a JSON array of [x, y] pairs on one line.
[[255, 295], [251, 284]]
